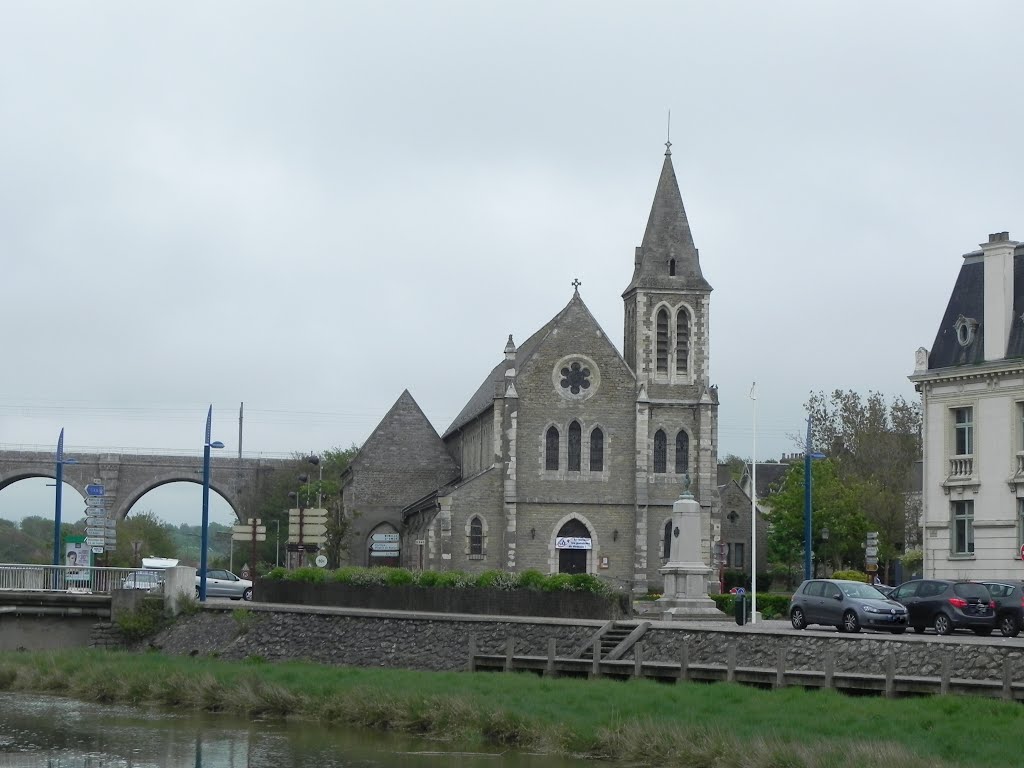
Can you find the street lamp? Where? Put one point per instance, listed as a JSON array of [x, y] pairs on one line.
[[277, 545], [824, 556], [808, 455], [61, 461], [207, 445]]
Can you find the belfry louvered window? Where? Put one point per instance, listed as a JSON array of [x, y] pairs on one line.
[[682, 452], [662, 340], [575, 446], [659, 451], [682, 340], [597, 450], [551, 448]]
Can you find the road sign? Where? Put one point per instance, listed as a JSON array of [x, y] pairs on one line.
[[247, 536], [95, 501], [382, 553], [307, 514], [385, 537], [321, 560], [96, 522], [110, 523], [97, 550], [95, 531], [94, 489], [309, 530], [385, 546], [1022, 551], [94, 541], [871, 551]]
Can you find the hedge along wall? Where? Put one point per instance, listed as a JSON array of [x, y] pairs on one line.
[[471, 600]]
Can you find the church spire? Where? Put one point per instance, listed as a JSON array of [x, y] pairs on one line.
[[668, 257]]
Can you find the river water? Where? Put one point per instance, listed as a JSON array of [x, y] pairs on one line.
[[54, 732]]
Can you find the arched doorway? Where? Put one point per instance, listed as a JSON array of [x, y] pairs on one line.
[[384, 546], [573, 543]]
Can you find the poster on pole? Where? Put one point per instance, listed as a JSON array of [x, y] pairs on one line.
[[77, 553]]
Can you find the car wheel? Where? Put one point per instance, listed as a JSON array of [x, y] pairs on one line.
[[850, 621], [797, 618], [247, 595], [901, 630], [1009, 626], [919, 630], [983, 631], [943, 626], [197, 593]]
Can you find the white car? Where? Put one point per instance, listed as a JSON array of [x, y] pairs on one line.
[[221, 583], [142, 580]]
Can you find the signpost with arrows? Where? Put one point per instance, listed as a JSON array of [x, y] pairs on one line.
[[252, 532], [101, 530], [307, 531]]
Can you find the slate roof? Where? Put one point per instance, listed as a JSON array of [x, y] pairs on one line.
[[668, 236], [483, 398], [968, 300], [768, 474]]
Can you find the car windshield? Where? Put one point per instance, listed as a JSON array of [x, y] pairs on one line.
[[861, 591]]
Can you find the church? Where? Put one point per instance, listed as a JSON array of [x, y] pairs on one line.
[[569, 455]]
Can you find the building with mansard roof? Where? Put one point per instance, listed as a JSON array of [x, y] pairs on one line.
[[972, 396], [569, 454]]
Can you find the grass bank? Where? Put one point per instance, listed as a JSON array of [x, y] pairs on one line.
[[693, 725]]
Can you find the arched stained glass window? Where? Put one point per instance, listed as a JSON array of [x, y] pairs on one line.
[[575, 446], [551, 448], [597, 450], [476, 536], [659, 451], [682, 452]]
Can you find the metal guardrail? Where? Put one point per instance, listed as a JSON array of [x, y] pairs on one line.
[[70, 578]]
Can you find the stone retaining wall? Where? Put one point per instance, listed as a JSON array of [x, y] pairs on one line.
[[436, 642]]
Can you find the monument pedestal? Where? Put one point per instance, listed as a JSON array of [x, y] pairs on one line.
[[686, 577]]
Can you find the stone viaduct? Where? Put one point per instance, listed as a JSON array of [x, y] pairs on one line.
[[127, 477]]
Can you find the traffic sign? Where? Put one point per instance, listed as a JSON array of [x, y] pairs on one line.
[[97, 550], [96, 522], [385, 546], [95, 501], [307, 514], [94, 489], [110, 523], [321, 560], [1022, 551], [95, 531], [247, 536], [94, 541], [871, 551], [309, 530], [385, 537]]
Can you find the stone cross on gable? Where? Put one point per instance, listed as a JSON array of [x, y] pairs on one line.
[[576, 284]]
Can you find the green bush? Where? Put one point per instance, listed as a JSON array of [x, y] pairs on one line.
[[532, 579], [556, 582], [427, 578], [454, 579], [498, 580], [397, 577], [148, 619], [278, 574], [308, 574], [588, 582], [851, 576]]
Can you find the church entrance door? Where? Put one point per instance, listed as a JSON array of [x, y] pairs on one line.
[[574, 545]]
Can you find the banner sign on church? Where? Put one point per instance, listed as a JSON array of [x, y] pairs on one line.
[[572, 542]]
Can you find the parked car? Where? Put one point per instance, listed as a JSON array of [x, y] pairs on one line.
[[885, 589], [846, 605], [947, 605], [142, 580], [1009, 598], [221, 583]]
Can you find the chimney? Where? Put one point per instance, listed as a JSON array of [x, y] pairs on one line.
[[998, 261]]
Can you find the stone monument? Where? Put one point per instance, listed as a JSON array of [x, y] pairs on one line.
[[686, 575]]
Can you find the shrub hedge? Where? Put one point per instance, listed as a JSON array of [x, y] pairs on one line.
[[494, 579]]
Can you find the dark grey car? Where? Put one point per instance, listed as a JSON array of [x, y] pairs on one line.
[[846, 605], [1008, 595], [947, 605]]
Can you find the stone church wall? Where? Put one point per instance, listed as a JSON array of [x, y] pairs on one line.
[[479, 496]]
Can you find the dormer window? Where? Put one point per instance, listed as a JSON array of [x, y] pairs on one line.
[[965, 328]]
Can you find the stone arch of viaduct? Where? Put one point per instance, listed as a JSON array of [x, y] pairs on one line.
[[128, 477]]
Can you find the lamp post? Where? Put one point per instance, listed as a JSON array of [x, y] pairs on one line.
[[277, 543], [808, 455], [61, 461], [823, 558], [207, 445]]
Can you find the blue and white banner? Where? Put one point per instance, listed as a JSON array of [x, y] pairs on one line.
[[572, 542]]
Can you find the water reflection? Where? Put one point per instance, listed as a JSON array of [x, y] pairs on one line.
[[52, 732]]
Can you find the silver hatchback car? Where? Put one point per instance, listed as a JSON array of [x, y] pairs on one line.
[[846, 605]]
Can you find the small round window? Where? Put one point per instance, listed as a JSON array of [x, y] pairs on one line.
[[576, 377]]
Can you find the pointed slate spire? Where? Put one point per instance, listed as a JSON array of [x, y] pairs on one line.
[[668, 258]]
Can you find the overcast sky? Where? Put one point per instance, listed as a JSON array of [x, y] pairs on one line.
[[310, 207]]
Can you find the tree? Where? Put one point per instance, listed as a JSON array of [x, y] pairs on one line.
[[874, 446], [737, 466], [834, 505], [156, 537]]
